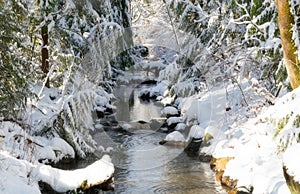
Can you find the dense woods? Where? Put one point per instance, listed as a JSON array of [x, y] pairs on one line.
[[59, 61]]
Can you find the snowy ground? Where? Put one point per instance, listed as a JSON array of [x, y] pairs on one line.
[[244, 124], [20, 176], [239, 117], [26, 149]]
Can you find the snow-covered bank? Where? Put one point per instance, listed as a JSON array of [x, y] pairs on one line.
[[19, 176], [259, 148], [56, 127], [20, 144], [250, 130]]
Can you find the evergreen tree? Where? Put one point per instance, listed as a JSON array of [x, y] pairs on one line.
[[14, 52]]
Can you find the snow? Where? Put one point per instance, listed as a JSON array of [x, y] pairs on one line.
[[196, 132], [169, 110], [175, 136], [155, 91], [15, 140], [180, 127], [261, 139], [173, 120], [20, 176], [41, 144], [262, 145], [256, 164], [62, 180], [244, 128], [292, 161], [14, 175]]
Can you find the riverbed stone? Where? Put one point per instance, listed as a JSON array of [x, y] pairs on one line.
[[203, 157], [100, 114], [237, 191], [193, 146], [228, 182], [219, 166]]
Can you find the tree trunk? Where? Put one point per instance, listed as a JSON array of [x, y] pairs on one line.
[[285, 22], [45, 53]]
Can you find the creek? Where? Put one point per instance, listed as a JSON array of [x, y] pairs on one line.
[[144, 166]]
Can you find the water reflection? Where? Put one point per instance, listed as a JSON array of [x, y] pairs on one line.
[[144, 166], [151, 168], [136, 109]]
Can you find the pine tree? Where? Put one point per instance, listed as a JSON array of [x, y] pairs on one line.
[[13, 62]]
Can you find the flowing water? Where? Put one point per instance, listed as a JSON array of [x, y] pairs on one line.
[[144, 166]]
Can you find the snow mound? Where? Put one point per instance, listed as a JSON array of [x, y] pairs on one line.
[[180, 127], [16, 140], [169, 110], [175, 136], [196, 132], [291, 161], [174, 120], [64, 180]]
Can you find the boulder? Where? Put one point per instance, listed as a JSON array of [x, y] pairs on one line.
[[291, 170], [173, 121], [170, 111], [293, 185], [193, 146], [219, 166], [175, 138]]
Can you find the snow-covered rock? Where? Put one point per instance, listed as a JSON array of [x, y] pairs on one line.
[[175, 136], [196, 132], [173, 121], [170, 111], [19, 176], [180, 127], [63, 180], [291, 161]]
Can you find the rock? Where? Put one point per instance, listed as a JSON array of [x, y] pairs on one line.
[[293, 185], [219, 175], [219, 166], [76, 180], [100, 114], [193, 146], [196, 132], [238, 191], [173, 121], [149, 82], [145, 95], [175, 136], [170, 111], [109, 110], [228, 182], [180, 127], [142, 121], [203, 157], [172, 143]]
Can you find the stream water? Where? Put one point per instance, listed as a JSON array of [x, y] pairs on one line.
[[144, 166]]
